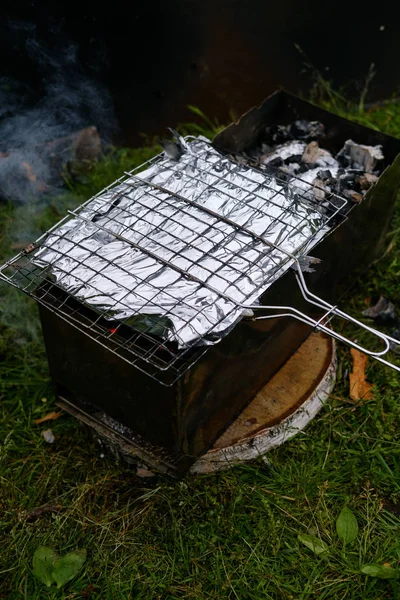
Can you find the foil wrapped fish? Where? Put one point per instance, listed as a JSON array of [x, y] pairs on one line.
[[192, 241]]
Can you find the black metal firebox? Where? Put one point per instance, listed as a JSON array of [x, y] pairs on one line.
[[178, 400]]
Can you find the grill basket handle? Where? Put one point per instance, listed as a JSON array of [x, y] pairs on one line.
[[330, 312]]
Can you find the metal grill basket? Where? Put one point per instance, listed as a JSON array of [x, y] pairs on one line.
[[166, 260]]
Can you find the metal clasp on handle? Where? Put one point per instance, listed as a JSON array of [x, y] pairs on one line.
[[330, 312]]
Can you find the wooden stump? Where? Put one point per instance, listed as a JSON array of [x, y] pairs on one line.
[[284, 406]]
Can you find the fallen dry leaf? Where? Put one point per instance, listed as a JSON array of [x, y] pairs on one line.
[[140, 472], [360, 389], [51, 416]]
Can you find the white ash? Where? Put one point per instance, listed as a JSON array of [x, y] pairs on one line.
[[360, 157], [291, 168], [297, 151], [311, 185], [283, 152]]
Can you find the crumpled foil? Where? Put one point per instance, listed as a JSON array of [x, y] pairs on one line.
[[136, 249]]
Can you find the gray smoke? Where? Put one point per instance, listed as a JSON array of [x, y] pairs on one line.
[[70, 100]]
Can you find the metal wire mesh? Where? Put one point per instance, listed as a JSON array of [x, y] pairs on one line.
[[188, 241]]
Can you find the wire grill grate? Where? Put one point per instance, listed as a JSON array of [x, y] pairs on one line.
[[211, 235]]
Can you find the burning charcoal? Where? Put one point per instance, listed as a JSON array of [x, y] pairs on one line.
[[289, 152], [347, 180], [314, 155], [384, 312], [325, 174], [318, 189], [353, 195], [277, 134], [306, 180], [359, 157], [292, 168], [341, 182], [331, 185], [346, 183], [366, 180], [334, 206], [303, 168], [276, 161], [307, 130], [281, 174]]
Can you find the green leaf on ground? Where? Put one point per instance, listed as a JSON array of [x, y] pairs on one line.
[[347, 526], [68, 566], [313, 543], [43, 563], [379, 571]]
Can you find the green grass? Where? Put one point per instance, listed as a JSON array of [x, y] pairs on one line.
[[230, 535]]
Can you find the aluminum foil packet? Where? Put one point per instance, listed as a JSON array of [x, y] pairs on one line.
[[192, 241]]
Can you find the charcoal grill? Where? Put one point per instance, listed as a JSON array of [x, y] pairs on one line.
[[177, 361]]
